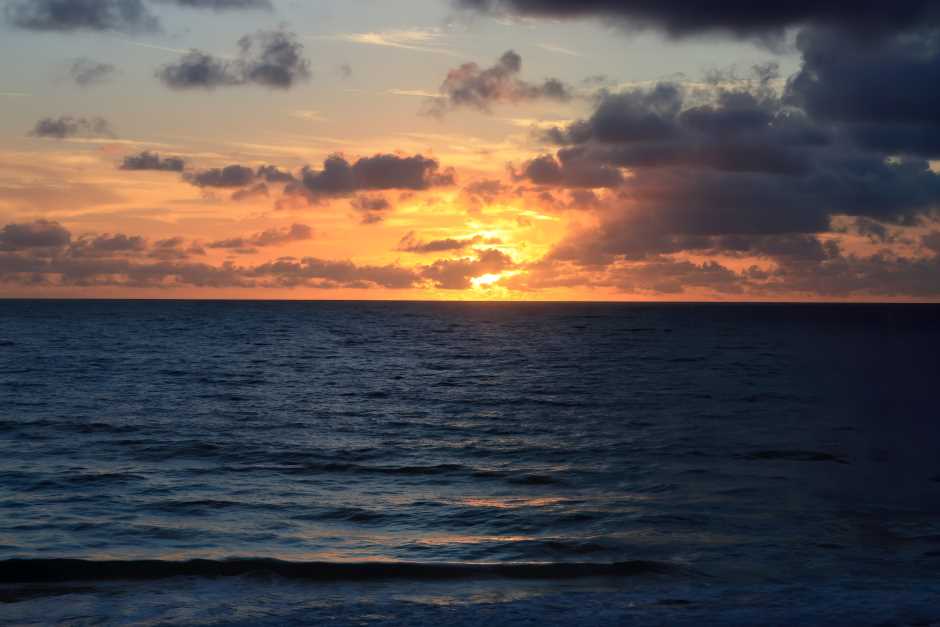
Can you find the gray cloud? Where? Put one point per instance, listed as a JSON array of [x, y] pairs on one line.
[[152, 161], [258, 190], [272, 59], [932, 242], [229, 176], [67, 126], [39, 234], [174, 249], [339, 177], [107, 245], [743, 162], [571, 171], [884, 95], [222, 5], [313, 272], [272, 174], [411, 244], [128, 16], [86, 72], [271, 237], [44, 253], [479, 88], [742, 19], [372, 208]]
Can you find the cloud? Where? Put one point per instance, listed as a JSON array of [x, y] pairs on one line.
[[313, 272], [419, 40], [223, 5], [272, 174], [883, 95], [372, 208], [250, 183], [107, 245], [147, 160], [39, 234], [272, 59], [67, 126], [175, 248], [932, 242], [411, 244], [340, 177], [271, 237], [258, 190], [457, 274], [44, 253], [743, 162], [679, 18], [86, 72], [229, 176], [472, 86], [569, 171], [127, 16]]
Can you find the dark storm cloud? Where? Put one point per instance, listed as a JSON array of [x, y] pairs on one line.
[[229, 176], [339, 177], [739, 130], [472, 86], [86, 72], [222, 5], [129, 16], [67, 126], [457, 274], [743, 162], [271, 237], [667, 276], [152, 161], [272, 59], [739, 18], [411, 244], [569, 171], [39, 234], [886, 95]]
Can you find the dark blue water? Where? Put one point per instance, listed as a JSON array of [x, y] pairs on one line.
[[722, 462]]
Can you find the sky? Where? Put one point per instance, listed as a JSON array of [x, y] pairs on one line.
[[470, 150]]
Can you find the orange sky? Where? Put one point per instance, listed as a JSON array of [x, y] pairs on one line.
[[480, 224]]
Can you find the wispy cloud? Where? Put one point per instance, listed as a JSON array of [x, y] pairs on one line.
[[538, 124], [308, 115], [14, 94], [419, 40], [560, 50], [181, 51], [420, 93]]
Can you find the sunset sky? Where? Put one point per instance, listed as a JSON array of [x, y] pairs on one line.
[[469, 149]]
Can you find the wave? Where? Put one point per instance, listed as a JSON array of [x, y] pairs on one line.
[[20, 571]]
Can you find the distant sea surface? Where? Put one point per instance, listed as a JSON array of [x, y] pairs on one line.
[[466, 463]]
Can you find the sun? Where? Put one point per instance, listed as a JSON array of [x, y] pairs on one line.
[[486, 280]]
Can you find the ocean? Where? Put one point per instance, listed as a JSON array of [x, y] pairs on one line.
[[363, 463]]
